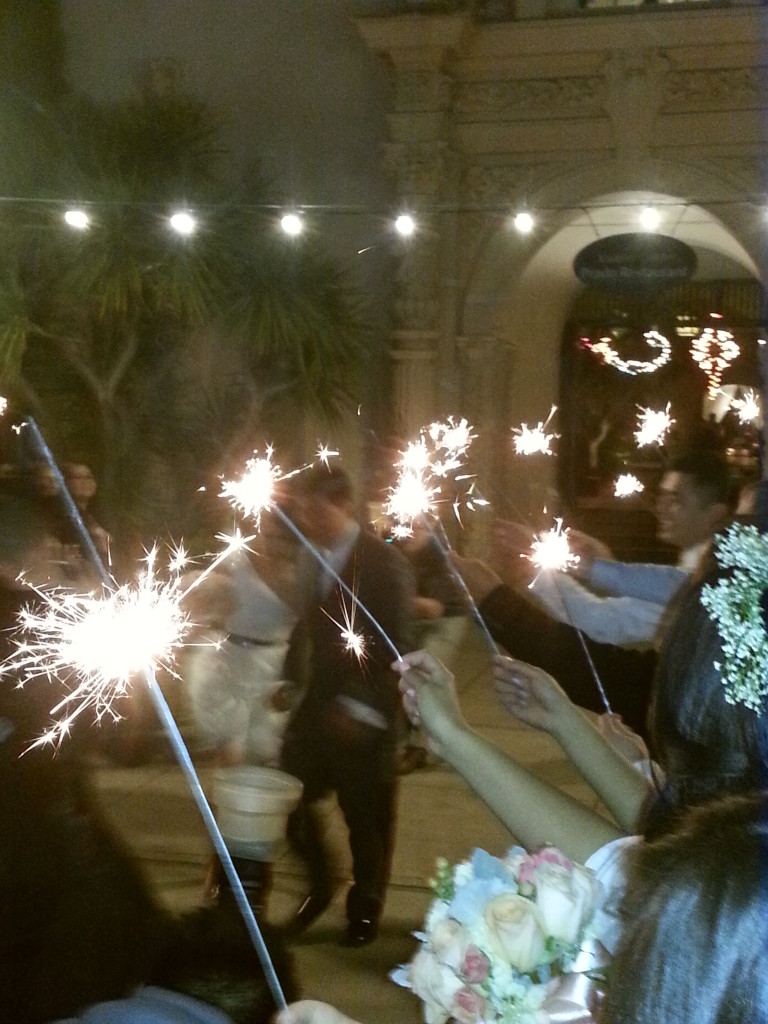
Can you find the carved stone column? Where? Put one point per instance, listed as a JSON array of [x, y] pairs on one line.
[[422, 164]]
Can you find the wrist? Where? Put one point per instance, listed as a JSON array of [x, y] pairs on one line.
[[564, 723]]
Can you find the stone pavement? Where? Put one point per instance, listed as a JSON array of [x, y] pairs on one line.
[[438, 816]]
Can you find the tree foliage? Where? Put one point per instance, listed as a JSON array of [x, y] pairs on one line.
[[152, 355]]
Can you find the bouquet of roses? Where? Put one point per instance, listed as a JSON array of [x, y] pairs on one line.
[[499, 935]]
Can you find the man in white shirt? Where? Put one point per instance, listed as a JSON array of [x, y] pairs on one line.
[[624, 603]]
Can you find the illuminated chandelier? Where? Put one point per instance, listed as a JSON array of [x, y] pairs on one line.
[[714, 350]]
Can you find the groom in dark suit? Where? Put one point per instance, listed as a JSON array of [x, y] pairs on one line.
[[342, 735]]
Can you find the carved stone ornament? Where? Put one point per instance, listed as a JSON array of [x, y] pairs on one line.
[[496, 185], [534, 98], [710, 89]]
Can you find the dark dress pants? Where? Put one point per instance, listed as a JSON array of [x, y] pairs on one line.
[[331, 752]]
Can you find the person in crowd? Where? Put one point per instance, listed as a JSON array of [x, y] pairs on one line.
[[82, 486], [245, 611], [342, 734], [79, 923], [677, 870], [705, 745], [697, 497], [233, 673], [696, 926], [537, 623], [696, 911]]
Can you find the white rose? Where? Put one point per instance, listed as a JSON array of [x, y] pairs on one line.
[[516, 931], [564, 900], [435, 984], [449, 942]]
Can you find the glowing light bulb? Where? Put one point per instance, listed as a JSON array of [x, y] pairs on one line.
[[292, 224], [649, 218], [77, 219], [183, 223], [523, 222], [405, 225]]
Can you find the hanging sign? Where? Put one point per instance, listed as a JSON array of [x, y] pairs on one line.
[[640, 261]]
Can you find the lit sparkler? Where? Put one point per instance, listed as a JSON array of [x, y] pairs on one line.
[[168, 638], [95, 644], [324, 454], [536, 440], [353, 642], [412, 496], [551, 551], [254, 492], [747, 407], [626, 485], [438, 454], [454, 440], [653, 425]]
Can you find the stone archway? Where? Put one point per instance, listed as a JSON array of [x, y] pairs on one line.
[[522, 299]]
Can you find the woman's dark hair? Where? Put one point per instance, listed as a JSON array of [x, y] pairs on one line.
[[694, 943], [212, 958], [706, 746]]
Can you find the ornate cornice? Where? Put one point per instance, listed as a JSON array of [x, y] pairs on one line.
[[545, 98]]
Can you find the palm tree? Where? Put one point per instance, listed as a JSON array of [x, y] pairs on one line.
[[158, 354]]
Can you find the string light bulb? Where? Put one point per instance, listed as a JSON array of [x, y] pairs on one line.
[[183, 223], [77, 219], [523, 222], [292, 224], [649, 218], [405, 225]]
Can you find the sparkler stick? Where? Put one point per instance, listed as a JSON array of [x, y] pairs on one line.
[[69, 502], [585, 648], [179, 747], [551, 553], [445, 546], [344, 586], [253, 494]]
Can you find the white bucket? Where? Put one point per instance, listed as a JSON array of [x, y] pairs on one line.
[[252, 808]]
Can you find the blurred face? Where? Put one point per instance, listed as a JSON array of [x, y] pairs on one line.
[[321, 520], [80, 482], [684, 516]]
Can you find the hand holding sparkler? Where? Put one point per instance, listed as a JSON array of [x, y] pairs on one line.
[[429, 696], [551, 552], [531, 695]]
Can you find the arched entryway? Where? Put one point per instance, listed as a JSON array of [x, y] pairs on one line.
[[529, 299]]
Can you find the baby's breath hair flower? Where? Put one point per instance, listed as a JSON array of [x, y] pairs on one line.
[[735, 604]]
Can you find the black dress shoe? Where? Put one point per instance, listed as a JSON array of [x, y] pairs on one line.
[[309, 909], [360, 932]]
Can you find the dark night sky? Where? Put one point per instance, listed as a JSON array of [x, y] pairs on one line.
[[291, 80]]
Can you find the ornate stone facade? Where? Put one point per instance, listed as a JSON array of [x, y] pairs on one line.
[[566, 117]]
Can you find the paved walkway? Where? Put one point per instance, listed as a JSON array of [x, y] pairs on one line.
[[438, 816]]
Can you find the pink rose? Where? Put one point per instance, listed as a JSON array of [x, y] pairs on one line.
[[476, 966], [468, 1006]]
